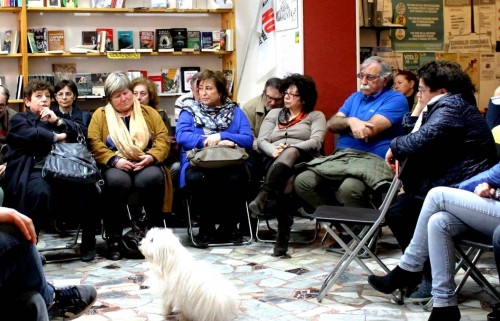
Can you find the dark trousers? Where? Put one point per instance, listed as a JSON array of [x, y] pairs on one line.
[[217, 196], [496, 248], [148, 183]]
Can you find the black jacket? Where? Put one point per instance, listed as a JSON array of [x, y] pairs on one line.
[[29, 140], [452, 144]]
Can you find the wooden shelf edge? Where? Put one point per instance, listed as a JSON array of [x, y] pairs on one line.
[[93, 54], [127, 10]]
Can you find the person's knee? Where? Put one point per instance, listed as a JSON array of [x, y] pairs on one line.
[[151, 177], [352, 192], [31, 306], [438, 223], [496, 240], [304, 183]]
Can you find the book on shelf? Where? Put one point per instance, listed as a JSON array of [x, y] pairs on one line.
[[172, 4], [159, 4], [83, 84], [216, 40], [179, 38], [83, 49], [206, 40], [45, 77], [227, 40], [70, 3], [193, 40], [163, 39], [229, 75], [184, 4], [170, 80], [7, 40], [89, 37], [365, 52], [147, 39], [101, 3], [117, 3], [98, 80], [132, 74], [138, 4], [368, 8], [378, 7], [157, 80], [125, 39], [144, 50], [19, 87], [53, 3], [64, 72], [108, 39], [101, 41], [219, 4], [40, 38], [14, 48], [187, 74], [55, 40], [35, 3]]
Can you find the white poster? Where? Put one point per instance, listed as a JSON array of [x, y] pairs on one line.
[[286, 15]]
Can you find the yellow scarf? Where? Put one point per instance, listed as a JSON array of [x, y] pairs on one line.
[[130, 144]]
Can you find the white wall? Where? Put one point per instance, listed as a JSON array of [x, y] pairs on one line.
[[290, 54]]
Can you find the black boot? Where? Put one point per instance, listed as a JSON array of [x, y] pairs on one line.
[[495, 314], [275, 182], [285, 221], [396, 279], [451, 313]]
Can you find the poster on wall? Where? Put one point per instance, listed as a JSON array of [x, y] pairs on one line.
[[423, 20], [413, 60], [286, 14], [470, 25]]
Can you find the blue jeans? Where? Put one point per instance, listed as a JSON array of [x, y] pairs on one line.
[[446, 213], [22, 279]]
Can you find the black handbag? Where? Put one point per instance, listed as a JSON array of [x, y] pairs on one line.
[[71, 162], [217, 156]]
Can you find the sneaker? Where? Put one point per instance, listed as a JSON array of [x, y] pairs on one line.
[[495, 314], [423, 294], [72, 301]]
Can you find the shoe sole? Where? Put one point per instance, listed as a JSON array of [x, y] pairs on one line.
[[419, 300], [74, 316], [376, 288]]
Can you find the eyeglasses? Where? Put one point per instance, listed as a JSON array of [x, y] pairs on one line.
[[287, 93], [277, 99], [422, 89], [368, 76], [68, 94]]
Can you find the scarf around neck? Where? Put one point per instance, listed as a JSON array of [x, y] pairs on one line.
[[129, 142], [213, 119], [284, 120]]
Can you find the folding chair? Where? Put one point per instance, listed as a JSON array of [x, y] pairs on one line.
[[370, 219], [467, 260], [191, 227]]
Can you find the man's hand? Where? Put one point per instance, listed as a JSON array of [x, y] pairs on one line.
[[360, 129], [24, 223]]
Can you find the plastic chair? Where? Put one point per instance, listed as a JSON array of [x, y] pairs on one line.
[[347, 217]]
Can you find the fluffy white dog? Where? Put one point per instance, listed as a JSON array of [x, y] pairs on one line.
[[192, 288]]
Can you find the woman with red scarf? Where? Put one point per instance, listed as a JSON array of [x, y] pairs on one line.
[[288, 136]]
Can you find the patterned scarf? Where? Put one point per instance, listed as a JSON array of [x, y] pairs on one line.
[[212, 119], [284, 120]]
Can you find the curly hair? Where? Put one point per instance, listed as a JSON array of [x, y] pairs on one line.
[[37, 85], [306, 88]]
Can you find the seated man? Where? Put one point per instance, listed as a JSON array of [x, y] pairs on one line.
[[366, 122], [189, 98], [24, 290]]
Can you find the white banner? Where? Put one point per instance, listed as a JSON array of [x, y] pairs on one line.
[[267, 40]]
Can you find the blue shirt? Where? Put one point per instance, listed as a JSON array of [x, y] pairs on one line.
[[388, 103], [491, 176]]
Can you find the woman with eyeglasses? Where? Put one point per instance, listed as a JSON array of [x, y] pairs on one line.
[[65, 94], [287, 136]]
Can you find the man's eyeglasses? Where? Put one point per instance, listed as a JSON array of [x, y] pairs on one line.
[[275, 99], [68, 94], [286, 93], [368, 76]]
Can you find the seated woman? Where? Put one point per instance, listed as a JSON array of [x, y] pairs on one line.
[[218, 195], [129, 141], [66, 93], [447, 213], [30, 140], [288, 136], [406, 82]]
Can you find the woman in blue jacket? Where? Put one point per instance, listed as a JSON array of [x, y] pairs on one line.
[[219, 194], [447, 212]]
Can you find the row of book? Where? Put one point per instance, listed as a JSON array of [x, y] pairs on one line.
[[167, 4], [41, 40], [11, 3]]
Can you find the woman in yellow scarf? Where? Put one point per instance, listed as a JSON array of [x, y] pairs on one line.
[[130, 142]]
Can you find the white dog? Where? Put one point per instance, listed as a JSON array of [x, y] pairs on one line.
[[189, 287]]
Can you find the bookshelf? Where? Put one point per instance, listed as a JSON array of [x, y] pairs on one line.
[[75, 20]]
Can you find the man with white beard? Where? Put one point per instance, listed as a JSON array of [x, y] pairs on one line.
[[366, 123]]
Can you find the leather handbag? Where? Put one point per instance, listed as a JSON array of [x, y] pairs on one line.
[[217, 156], [71, 162]]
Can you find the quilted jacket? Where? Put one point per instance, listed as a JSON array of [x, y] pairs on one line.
[[452, 144]]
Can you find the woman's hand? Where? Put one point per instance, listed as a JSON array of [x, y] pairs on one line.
[[389, 160], [48, 115], [146, 160], [226, 142], [124, 165], [484, 190], [278, 149], [61, 137], [418, 108], [212, 140]]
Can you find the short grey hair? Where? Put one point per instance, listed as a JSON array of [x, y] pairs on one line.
[[385, 68], [5, 92], [116, 81], [194, 78]]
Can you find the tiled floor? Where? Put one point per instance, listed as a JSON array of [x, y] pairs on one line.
[[270, 288]]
